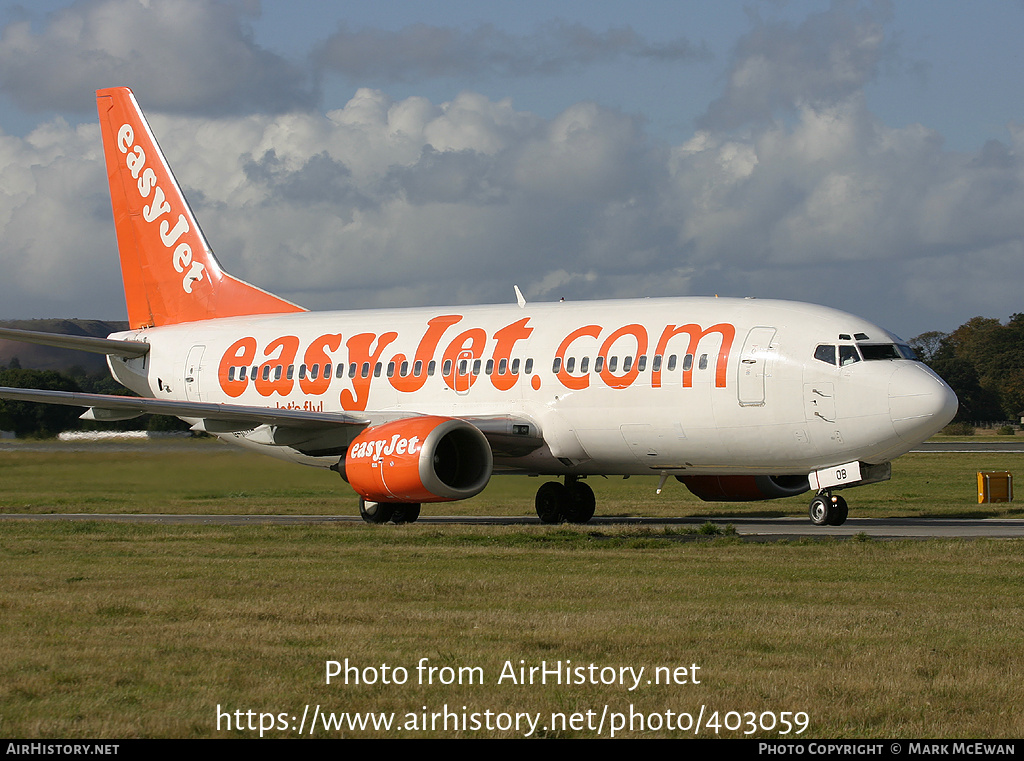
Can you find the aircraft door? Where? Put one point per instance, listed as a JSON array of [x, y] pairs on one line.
[[754, 365], [463, 372], [192, 366]]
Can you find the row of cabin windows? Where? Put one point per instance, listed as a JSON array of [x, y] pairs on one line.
[[363, 370], [627, 364], [465, 367]]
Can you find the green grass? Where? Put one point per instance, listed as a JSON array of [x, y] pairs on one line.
[[125, 630], [208, 477], [117, 630]]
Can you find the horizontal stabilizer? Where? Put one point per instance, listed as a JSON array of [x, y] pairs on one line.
[[79, 343]]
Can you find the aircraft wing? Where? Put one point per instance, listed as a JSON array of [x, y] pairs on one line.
[[235, 415], [312, 433]]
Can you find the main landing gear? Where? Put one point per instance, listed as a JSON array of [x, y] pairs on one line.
[[382, 512], [828, 509], [571, 502]]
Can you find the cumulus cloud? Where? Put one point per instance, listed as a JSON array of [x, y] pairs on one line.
[[56, 225], [420, 51], [827, 58], [187, 56], [408, 202]]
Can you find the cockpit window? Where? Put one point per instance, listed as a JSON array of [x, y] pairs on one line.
[[826, 353], [848, 355], [880, 351], [907, 352]]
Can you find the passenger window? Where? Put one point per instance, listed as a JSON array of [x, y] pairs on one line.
[[672, 362], [627, 364], [529, 366], [570, 364], [641, 363], [447, 367], [515, 366], [585, 364], [703, 364], [599, 364], [555, 366]]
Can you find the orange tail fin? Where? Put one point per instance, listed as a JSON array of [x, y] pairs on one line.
[[170, 273]]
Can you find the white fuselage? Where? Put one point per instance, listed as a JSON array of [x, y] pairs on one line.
[[679, 386]]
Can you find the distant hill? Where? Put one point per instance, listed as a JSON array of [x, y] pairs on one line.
[[36, 357]]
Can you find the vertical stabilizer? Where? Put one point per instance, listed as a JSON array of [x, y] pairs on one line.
[[170, 274]]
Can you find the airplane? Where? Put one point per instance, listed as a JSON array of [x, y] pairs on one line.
[[739, 399]]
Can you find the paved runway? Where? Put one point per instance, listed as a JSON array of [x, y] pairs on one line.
[[961, 447], [750, 528]]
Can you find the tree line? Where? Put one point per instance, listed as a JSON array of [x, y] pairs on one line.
[[983, 362], [48, 420]]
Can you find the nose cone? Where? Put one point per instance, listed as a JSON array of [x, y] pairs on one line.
[[920, 402]]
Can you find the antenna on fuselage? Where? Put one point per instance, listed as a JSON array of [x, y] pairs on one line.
[[519, 297]]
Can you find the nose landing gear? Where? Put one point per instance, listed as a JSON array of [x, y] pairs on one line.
[[828, 509]]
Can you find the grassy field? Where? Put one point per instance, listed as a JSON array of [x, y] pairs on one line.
[[111, 630], [204, 476]]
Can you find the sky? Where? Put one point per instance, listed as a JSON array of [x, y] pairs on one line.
[[862, 155]]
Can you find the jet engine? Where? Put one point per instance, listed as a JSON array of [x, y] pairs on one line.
[[744, 488], [421, 459]]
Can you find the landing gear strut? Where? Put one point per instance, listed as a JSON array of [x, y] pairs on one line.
[[828, 509], [571, 502], [382, 512]]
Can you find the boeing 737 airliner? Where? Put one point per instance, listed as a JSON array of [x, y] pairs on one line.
[[739, 399]]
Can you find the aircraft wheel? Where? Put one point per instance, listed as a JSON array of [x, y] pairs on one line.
[[551, 502], [375, 512], [821, 510], [406, 512], [582, 503], [840, 511]]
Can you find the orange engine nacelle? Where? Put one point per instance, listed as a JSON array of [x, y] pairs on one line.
[[422, 459], [744, 488]]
